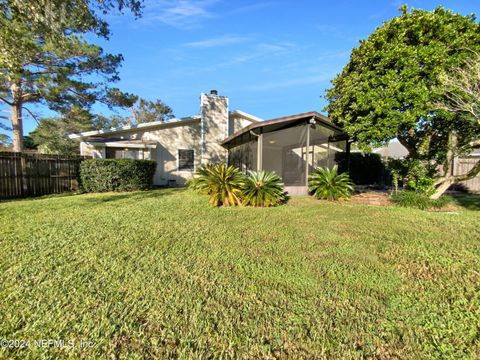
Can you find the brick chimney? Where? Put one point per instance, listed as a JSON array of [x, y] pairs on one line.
[[214, 126]]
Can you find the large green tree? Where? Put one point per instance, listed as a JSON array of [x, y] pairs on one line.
[[45, 60], [392, 85]]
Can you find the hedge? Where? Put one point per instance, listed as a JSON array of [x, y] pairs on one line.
[[98, 175], [365, 169]]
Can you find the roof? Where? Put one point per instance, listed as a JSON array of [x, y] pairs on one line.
[[393, 150], [124, 143], [149, 125], [286, 120], [245, 115]]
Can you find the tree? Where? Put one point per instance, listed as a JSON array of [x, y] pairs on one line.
[[45, 60], [462, 98], [147, 111], [392, 83], [5, 142], [51, 134]]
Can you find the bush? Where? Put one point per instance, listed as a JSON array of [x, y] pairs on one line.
[[99, 175], [262, 188], [419, 200], [328, 184], [416, 176], [220, 182]]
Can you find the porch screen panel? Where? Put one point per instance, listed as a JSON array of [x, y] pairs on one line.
[[244, 156], [323, 151], [285, 152]]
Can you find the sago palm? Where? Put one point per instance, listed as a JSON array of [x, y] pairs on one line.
[[326, 183], [262, 188], [220, 182]]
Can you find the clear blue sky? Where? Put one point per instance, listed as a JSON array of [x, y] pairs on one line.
[[271, 58]]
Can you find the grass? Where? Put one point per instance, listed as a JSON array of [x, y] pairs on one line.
[[161, 274]]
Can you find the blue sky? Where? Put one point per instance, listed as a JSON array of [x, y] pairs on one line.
[[271, 58]]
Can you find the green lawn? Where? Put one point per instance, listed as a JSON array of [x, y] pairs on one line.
[[162, 274]]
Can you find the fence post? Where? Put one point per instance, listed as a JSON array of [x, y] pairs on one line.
[[23, 166]]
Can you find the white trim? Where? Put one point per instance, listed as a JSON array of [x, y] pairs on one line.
[[176, 121], [115, 144], [194, 163], [246, 116]]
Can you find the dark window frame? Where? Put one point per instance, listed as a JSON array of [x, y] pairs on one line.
[[188, 161]]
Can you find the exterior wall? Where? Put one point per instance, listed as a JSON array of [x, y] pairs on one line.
[[90, 150], [214, 127], [237, 123], [170, 140]]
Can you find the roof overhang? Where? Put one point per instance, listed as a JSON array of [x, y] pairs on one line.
[[283, 122], [124, 144], [149, 125]]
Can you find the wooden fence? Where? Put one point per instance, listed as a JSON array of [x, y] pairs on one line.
[[29, 174], [462, 166]]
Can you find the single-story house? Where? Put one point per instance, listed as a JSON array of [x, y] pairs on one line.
[[291, 146]]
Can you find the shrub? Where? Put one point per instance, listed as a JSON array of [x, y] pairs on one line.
[[419, 200], [416, 175], [262, 188], [328, 184], [98, 175], [220, 182]]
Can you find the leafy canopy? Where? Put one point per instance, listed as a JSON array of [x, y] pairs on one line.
[[147, 111], [393, 80]]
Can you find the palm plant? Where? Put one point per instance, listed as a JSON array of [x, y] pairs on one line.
[[220, 182], [328, 184], [262, 188]]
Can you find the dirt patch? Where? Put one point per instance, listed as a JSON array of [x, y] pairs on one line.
[[374, 198]]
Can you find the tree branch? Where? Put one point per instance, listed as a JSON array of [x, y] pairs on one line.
[[469, 175], [6, 101], [32, 115], [411, 150]]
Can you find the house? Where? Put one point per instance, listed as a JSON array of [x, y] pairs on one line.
[[291, 146]]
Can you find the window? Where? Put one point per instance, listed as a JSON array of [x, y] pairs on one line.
[[186, 160], [116, 153]]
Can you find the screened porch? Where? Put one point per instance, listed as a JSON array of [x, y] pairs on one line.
[[291, 146]]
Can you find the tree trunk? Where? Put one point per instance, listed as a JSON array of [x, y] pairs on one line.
[[17, 126], [444, 182], [442, 187], [16, 117], [447, 179]]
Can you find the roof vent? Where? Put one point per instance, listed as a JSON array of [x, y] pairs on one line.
[[213, 92]]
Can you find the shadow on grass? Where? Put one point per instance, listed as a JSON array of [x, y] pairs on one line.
[[137, 195], [467, 201], [101, 198]]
